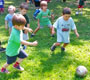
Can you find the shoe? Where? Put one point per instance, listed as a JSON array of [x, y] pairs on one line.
[[62, 49], [19, 68], [52, 35], [53, 48], [2, 49], [24, 47], [32, 35], [4, 70]]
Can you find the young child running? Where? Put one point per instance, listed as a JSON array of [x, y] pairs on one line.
[[1, 6], [43, 18], [13, 48], [64, 24], [80, 6], [8, 18], [23, 10]]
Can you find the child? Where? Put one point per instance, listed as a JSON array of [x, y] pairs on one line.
[[8, 18], [13, 49], [64, 24], [1, 6], [23, 10], [43, 19], [80, 6]]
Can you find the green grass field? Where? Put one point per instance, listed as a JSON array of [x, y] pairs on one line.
[[41, 64]]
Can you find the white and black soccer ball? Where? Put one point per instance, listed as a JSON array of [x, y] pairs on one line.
[[77, 13], [81, 71]]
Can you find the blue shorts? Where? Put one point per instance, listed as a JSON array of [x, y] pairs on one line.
[[49, 25], [11, 59]]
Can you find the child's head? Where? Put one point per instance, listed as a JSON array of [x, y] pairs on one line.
[[24, 8], [11, 9], [43, 5], [18, 21], [66, 13]]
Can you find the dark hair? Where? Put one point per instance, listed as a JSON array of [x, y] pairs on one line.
[[24, 5], [66, 11], [18, 20]]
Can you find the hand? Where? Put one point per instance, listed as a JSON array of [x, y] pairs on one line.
[[53, 32], [52, 16], [35, 43], [30, 30], [77, 35]]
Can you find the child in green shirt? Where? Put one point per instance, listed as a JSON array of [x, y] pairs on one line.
[[43, 18], [13, 48]]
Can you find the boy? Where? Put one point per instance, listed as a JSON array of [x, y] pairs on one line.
[[43, 19], [13, 49], [64, 24], [1, 6], [23, 10], [8, 18], [80, 6]]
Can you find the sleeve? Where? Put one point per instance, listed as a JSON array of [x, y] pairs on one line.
[[56, 24], [73, 26], [39, 16], [6, 18], [28, 21]]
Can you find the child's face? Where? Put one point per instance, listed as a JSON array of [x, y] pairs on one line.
[[66, 16], [23, 11], [44, 7], [11, 9]]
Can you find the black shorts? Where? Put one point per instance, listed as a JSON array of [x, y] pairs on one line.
[[11, 59], [37, 3]]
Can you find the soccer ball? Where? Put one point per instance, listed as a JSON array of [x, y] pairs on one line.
[[77, 13], [81, 71]]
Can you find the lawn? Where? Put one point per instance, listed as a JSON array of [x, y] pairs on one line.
[[41, 63]]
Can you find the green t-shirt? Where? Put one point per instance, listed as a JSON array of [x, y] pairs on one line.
[[81, 2], [14, 42], [44, 17]]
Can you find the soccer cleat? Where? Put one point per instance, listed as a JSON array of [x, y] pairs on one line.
[[19, 67], [4, 70], [62, 49], [2, 49], [32, 35], [52, 35], [53, 48]]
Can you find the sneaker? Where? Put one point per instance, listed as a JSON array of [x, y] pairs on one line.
[[32, 35], [4, 70], [19, 68], [24, 47], [52, 35], [53, 48], [2, 49], [62, 49]]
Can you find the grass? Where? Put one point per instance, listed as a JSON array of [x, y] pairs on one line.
[[41, 64]]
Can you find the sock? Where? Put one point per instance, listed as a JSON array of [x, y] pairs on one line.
[[16, 64]]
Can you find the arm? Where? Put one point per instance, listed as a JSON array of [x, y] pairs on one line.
[[75, 31], [29, 43], [28, 29], [38, 23], [6, 24]]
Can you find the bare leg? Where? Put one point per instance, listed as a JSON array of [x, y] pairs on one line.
[[36, 30], [51, 30], [10, 29], [57, 44], [5, 65], [19, 60], [65, 44]]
